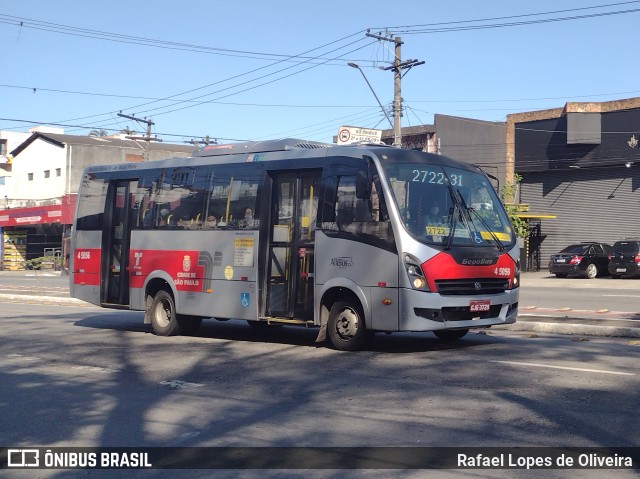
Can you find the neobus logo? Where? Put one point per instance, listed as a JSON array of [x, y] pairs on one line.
[[342, 262], [478, 261]]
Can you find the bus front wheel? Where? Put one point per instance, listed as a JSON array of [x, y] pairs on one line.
[[163, 314], [450, 334], [346, 327]]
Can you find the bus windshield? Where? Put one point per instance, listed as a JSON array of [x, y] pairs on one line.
[[449, 206]]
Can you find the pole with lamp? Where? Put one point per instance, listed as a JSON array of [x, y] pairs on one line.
[[357, 67]]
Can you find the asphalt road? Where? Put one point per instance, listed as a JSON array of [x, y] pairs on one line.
[[83, 376], [542, 290], [576, 306]]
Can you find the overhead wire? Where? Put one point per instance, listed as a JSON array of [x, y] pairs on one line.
[[460, 25], [322, 60]]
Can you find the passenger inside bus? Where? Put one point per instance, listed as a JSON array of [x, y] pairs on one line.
[[163, 220], [248, 221], [210, 223]]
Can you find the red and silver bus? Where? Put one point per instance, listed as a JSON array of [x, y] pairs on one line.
[[350, 239]]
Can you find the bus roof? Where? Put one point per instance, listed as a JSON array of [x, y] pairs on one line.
[[260, 147]]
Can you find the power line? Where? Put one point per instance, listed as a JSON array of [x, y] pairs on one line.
[[222, 81], [458, 26], [113, 95], [22, 22], [87, 127]]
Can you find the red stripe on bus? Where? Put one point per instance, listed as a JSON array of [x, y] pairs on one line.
[[444, 266], [182, 266], [86, 266], [86, 279]]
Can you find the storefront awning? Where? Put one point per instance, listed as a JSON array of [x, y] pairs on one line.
[[534, 216]]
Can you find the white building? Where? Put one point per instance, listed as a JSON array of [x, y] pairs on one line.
[[9, 140], [41, 181]]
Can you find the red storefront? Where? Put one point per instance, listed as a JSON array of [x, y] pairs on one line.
[[30, 232]]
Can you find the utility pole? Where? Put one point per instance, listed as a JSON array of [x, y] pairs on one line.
[[204, 141], [397, 67], [147, 137]]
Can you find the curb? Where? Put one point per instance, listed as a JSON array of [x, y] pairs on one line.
[[573, 329], [44, 299]]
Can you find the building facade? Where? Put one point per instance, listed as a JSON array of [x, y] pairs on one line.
[[41, 183], [581, 164]]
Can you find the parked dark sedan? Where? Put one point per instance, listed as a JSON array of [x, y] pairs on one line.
[[625, 258], [585, 259]]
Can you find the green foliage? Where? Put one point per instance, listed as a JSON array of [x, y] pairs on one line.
[[98, 133], [507, 194], [50, 262]]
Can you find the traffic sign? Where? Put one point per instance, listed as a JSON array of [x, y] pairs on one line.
[[352, 134]]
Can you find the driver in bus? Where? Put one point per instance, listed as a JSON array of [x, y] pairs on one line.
[[433, 218], [433, 223]]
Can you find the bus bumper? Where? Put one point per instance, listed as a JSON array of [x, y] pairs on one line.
[[432, 311]]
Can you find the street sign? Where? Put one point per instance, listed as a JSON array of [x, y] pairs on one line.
[[352, 134]]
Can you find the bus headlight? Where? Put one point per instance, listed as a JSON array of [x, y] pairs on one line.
[[516, 276], [414, 272], [419, 283]]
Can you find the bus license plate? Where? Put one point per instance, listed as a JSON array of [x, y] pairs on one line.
[[476, 306]]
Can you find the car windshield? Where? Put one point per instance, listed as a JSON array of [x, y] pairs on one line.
[[576, 249], [630, 247], [448, 206]]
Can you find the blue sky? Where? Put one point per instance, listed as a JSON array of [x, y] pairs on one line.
[[254, 70]]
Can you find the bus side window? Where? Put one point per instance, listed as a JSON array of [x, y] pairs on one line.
[[346, 200], [233, 197], [92, 204]]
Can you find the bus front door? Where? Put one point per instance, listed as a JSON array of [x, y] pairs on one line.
[[291, 245], [116, 235]]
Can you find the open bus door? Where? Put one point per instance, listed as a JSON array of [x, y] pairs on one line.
[[291, 245], [116, 236]]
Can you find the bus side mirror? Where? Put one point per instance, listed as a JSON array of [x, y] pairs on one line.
[[363, 185]]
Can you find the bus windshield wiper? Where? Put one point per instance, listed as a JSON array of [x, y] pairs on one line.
[[495, 238], [452, 222]]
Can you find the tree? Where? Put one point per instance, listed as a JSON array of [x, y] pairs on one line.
[[508, 193], [97, 133]]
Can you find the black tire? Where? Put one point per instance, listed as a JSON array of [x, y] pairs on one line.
[[561, 275], [346, 328], [451, 334], [189, 324], [163, 314], [591, 271]]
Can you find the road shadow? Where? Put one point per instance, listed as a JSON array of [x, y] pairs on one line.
[[240, 330]]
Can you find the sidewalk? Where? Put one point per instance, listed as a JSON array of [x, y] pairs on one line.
[[51, 287]]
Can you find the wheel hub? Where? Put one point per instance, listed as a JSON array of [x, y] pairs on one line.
[[163, 314], [347, 324]]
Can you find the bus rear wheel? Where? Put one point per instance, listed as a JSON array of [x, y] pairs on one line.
[[346, 327], [163, 315], [451, 334]]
